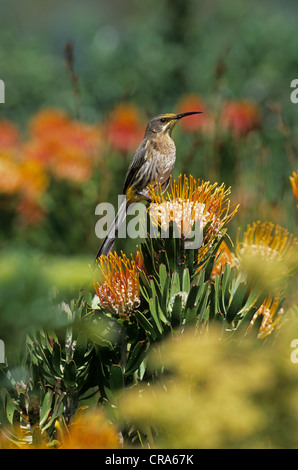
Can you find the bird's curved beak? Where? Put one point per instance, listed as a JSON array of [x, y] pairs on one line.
[[181, 115]]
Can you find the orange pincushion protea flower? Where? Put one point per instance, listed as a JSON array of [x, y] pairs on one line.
[[118, 290], [294, 183], [188, 201]]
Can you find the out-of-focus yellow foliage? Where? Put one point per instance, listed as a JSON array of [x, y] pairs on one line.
[[220, 393]]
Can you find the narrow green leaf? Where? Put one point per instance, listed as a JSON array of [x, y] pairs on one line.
[[176, 313], [236, 304], [155, 316], [56, 358], [46, 407], [175, 284], [186, 280], [163, 276], [145, 324], [116, 378], [70, 374], [191, 316], [136, 357]]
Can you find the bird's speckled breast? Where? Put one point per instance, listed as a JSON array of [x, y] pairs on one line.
[[163, 155]]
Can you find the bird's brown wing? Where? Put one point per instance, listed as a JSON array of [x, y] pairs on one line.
[[137, 162]]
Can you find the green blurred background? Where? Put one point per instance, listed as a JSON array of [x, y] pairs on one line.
[[150, 55]]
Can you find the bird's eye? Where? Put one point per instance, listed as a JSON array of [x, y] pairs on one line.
[[162, 120]]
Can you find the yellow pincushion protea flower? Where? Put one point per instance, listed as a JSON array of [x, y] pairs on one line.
[[267, 251], [188, 201], [118, 288], [294, 183], [271, 317]]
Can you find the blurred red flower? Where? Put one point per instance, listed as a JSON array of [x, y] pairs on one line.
[[124, 128], [9, 135], [240, 117], [30, 213]]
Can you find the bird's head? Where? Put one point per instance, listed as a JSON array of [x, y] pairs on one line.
[[164, 123]]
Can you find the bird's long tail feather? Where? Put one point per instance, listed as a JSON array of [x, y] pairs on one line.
[[111, 236]]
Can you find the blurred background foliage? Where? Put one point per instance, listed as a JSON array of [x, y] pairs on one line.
[[81, 82]]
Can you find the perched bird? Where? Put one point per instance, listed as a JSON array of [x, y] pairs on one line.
[[152, 164]]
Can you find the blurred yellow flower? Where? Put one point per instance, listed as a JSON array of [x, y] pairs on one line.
[[91, 430], [294, 183], [118, 288], [205, 399], [34, 179], [267, 252]]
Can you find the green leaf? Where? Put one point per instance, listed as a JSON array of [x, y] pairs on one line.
[[175, 284], [56, 358], [46, 407], [146, 325], [237, 302], [116, 378], [70, 374], [192, 297], [136, 357], [176, 313], [163, 276], [154, 313], [191, 316], [8, 407], [186, 280]]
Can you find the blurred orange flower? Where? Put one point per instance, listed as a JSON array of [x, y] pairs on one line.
[[240, 117], [10, 175], [124, 128], [68, 148], [48, 122], [197, 122]]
